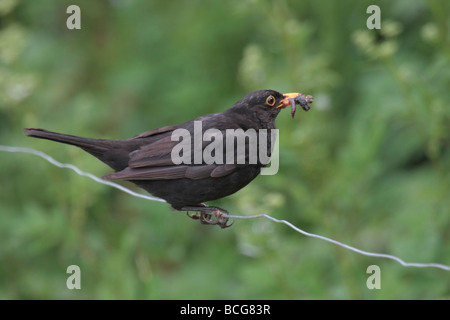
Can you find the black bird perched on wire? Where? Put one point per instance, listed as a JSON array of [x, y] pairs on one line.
[[186, 182]]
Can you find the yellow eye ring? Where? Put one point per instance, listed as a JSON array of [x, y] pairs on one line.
[[270, 101]]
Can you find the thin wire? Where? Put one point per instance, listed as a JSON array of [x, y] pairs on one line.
[[366, 253], [78, 171], [118, 186]]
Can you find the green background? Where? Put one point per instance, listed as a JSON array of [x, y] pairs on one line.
[[368, 165]]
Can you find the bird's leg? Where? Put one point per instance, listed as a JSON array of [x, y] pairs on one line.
[[206, 213], [203, 216], [194, 216]]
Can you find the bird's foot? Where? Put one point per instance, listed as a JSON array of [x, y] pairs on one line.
[[205, 215]]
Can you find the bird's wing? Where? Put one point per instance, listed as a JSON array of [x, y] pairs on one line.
[[155, 154], [158, 145], [154, 132], [153, 160], [173, 172]]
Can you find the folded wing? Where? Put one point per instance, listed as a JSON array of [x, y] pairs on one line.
[[153, 161]]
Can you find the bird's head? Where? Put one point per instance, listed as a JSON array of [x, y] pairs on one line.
[[271, 102]]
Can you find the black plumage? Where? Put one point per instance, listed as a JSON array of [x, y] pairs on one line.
[[146, 159]]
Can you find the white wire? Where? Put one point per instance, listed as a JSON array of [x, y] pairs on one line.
[[118, 186], [366, 253], [78, 171]]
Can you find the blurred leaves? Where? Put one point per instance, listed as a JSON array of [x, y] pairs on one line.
[[15, 86], [367, 165], [7, 6]]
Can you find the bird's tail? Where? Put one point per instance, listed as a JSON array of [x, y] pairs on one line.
[[96, 147]]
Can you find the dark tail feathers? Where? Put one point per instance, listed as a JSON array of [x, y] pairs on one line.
[[115, 153], [97, 147], [90, 145]]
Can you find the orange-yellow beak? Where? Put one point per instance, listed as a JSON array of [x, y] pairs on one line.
[[293, 98], [285, 102]]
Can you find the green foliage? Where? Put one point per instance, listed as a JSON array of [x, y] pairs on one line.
[[368, 165]]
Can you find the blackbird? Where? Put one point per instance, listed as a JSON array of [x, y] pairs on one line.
[[147, 159]]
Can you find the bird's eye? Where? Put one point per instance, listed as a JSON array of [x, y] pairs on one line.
[[270, 101]]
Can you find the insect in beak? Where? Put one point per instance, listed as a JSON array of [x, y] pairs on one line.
[[296, 98]]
